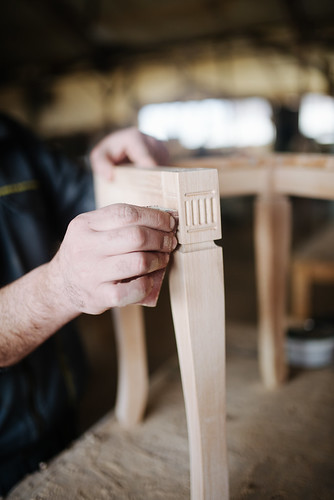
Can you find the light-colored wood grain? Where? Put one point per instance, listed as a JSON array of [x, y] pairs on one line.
[[237, 176], [132, 387], [313, 263], [163, 187], [197, 300], [272, 244], [271, 177], [307, 182], [307, 175], [197, 297], [305, 274]]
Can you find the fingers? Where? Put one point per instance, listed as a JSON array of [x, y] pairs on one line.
[[114, 245], [102, 164], [123, 215], [125, 293], [146, 151], [158, 150], [128, 145], [144, 291], [130, 265], [140, 150], [152, 297], [133, 239]]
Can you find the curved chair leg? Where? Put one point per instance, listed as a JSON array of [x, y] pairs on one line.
[[132, 390], [197, 300], [197, 297], [272, 245]]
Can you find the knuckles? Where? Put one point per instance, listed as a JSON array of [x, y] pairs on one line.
[[79, 223], [121, 294], [138, 236], [142, 262], [128, 214]]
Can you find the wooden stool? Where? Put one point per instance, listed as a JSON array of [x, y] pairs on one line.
[[313, 263], [197, 299]]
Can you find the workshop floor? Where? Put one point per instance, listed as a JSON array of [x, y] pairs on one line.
[[280, 443]]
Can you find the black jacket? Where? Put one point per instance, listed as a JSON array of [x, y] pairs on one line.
[[40, 192]]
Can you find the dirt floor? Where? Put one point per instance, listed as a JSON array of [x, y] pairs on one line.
[[280, 443]]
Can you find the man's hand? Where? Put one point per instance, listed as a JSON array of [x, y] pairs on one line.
[[109, 257], [127, 146]]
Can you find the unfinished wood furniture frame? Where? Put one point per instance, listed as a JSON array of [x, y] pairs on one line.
[[197, 300], [272, 179], [305, 274], [312, 264]]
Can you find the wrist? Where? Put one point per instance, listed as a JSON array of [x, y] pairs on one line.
[[59, 291]]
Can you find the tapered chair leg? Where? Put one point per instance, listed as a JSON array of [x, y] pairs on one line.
[[132, 389], [272, 245], [197, 300]]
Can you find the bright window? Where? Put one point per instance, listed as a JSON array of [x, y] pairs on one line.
[[210, 123], [316, 118]]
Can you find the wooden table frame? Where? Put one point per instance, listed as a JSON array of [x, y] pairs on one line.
[[197, 300], [197, 291], [272, 179]]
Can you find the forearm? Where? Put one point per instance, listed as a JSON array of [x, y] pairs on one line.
[[108, 258], [32, 308]]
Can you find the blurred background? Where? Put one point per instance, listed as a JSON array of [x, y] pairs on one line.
[[209, 77], [205, 75]]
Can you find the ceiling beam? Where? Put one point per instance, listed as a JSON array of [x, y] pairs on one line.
[[76, 23], [301, 24]]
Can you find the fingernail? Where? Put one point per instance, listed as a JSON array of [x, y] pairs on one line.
[[172, 222], [175, 242]]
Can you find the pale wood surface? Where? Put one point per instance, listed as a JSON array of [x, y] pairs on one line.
[[305, 274], [197, 297], [307, 175], [313, 263], [310, 175], [132, 384], [181, 189], [301, 291], [272, 245], [275, 175], [197, 300], [320, 247]]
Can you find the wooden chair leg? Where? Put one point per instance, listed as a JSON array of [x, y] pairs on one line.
[[301, 299], [197, 300], [197, 297], [132, 390], [272, 243]]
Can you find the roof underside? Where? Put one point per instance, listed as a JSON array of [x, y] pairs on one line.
[[40, 38]]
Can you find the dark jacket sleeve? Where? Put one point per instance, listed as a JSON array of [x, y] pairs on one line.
[[67, 185]]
